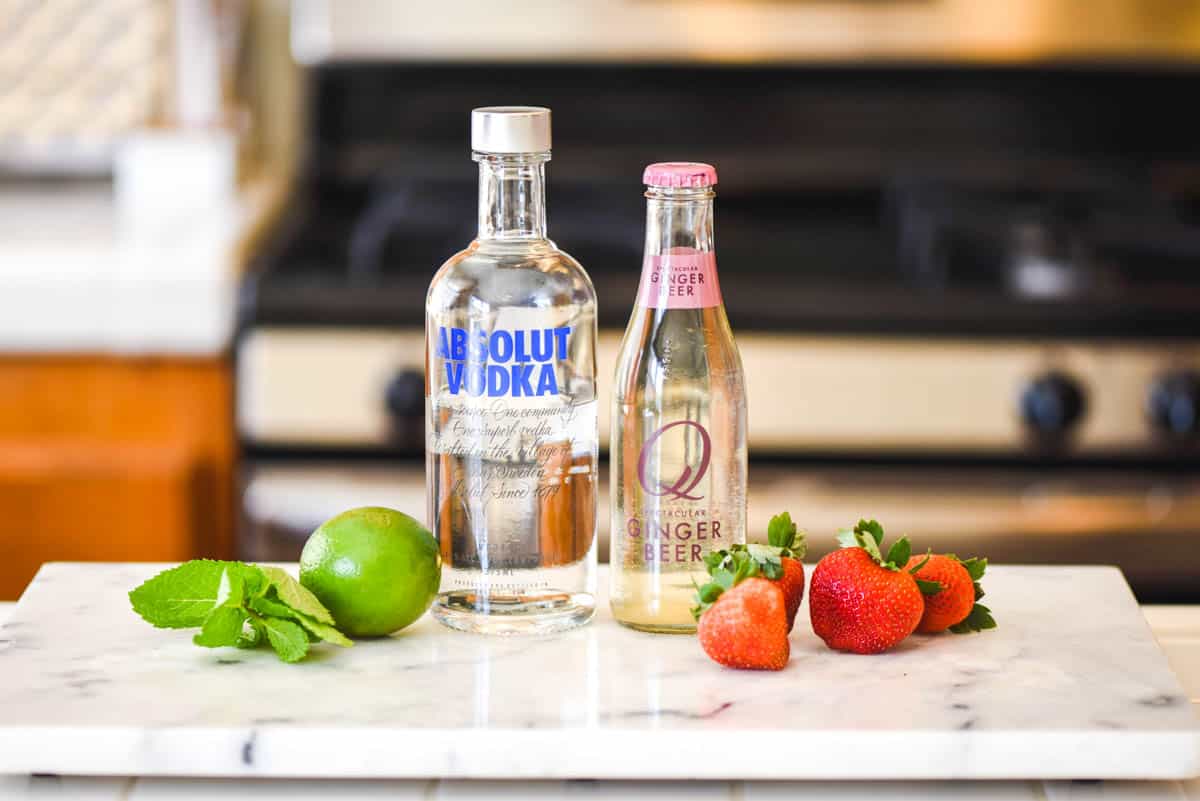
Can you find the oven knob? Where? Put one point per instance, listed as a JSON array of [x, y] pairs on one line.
[[1052, 403], [1173, 405], [405, 394]]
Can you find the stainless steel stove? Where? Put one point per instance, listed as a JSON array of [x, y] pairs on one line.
[[967, 299]]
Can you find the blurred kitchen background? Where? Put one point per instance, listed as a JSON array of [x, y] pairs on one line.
[[959, 243]]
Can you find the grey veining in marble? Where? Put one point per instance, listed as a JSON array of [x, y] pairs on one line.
[[1072, 685]]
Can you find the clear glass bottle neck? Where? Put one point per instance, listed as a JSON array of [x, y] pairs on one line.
[[512, 196], [678, 220]]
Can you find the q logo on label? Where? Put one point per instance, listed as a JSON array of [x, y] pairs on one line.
[[682, 487]]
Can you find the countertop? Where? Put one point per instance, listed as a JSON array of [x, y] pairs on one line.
[[1177, 629]]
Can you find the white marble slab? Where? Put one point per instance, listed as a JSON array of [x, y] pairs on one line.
[[1072, 685]]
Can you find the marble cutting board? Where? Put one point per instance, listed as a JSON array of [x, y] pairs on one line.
[[1071, 685]]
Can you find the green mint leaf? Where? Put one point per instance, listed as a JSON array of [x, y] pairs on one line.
[[222, 629], [253, 635], [929, 587], [272, 607], [322, 631], [239, 582], [287, 638], [297, 596], [781, 531], [872, 528], [899, 552], [184, 596], [254, 581]]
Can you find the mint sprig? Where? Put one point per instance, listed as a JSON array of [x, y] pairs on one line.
[[237, 604]]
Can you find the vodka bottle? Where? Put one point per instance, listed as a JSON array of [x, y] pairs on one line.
[[678, 450], [511, 440]]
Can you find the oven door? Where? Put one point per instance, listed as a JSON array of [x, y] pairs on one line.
[[1144, 524]]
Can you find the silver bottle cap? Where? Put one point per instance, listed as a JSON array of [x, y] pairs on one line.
[[510, 129]]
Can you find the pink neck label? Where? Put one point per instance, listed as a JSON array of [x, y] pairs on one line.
[[680, 281]]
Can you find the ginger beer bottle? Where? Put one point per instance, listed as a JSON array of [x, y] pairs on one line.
[[678, 448]]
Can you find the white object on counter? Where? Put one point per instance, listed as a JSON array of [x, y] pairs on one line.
[[1040, 696], [149, 264]]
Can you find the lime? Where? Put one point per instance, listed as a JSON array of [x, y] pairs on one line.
[[375, 569]]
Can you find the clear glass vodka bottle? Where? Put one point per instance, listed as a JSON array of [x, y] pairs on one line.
[[678, 448], [511, 439]]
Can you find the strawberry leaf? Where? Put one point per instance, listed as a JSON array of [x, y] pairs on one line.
[[723, 578], [873, 528], [714, 559], [980, 619], [899, 552], [868, 535], [846, 538], [783, 535], [746, 568], [735, 567], [781, 530], [929, 587], [917, 567], [759, 552], [869, 544], [975, 566]]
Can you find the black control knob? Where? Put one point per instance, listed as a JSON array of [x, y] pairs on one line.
[[404, 395], [1173, 404], [1053, 403]]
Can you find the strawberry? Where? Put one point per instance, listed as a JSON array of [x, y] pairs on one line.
[[778, 560], [861, 601], [792, 584], [745, 626], [954, 607]]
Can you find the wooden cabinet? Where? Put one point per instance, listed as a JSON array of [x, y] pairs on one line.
[[124, 459]]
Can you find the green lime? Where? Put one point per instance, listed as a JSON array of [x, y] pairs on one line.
[[375, 569]]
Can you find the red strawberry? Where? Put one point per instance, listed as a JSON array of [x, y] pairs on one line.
[[860, 601], [778, 560], [954, 606], [792, 584], [746, 626]]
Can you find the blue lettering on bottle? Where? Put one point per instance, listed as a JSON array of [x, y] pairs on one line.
[[501, 345], [454, 376], [458, 344], [502, 362]]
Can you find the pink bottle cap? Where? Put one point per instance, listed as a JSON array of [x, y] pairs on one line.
[[680, 174]]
